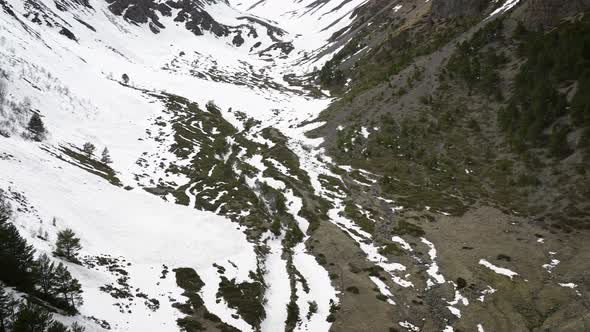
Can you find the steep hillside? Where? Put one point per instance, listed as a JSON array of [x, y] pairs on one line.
[[300, 165]]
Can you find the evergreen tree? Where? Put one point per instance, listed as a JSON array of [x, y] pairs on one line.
[[67, 245], [16, 257], [106, 157], [31, 318], [88, 148], [125, 78], [77, 327], [57, 327], [68, 287], [7, 304], [45, 275], [37, 128]]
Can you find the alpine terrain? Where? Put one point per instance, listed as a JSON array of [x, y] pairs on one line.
[[294, 165]]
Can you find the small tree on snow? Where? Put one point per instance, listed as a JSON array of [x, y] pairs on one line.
[[77, 327], [125, 78], [88, 148], [67, 245], [36, 127], [106, 157]]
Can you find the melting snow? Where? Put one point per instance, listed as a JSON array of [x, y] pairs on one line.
[[498, 270], [433, 268], [405, 245]]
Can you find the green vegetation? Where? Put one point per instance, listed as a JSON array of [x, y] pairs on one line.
[[194, 309], [393, 55], [41, 278], [405, 228], [79, 158], [476, 62], [353, 212], [556, 62], [246, 297], [67, 245]]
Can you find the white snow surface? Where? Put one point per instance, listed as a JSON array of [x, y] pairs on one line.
[[498, 270]]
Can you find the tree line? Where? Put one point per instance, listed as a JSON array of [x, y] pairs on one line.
[[45, 282]]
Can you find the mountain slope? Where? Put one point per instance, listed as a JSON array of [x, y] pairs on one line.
[[220, 211]]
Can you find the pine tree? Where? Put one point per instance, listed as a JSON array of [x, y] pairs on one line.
[[88, 148], [67, 245], [69, 287], [106, 157], [16, 257], [57, 327], [77, 327], [37, 128], [7, 304], [125, 78], [45, 275], [31, 318]]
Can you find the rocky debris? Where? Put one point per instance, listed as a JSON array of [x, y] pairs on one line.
[[283, 48], [191, 13], [65, 5], [139, 12]]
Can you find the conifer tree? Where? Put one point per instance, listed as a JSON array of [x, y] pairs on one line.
[[57, 327], [31, 318], [7, 304], [45, 275], [88, 148], [106, 157], [67, 245], [77, 327], [37, 128], [16, 257], [69, 287]]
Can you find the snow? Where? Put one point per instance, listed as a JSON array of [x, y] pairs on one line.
[[551, 265], [320, 291], [365, 132], [81, 101], [432, 271], [409, 326], [568, 285], [498, 270], [488, 290], [480, 328], [506, 6], [144, 229], [459, 299], [279, 292], [405, 245], [383, 289]]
